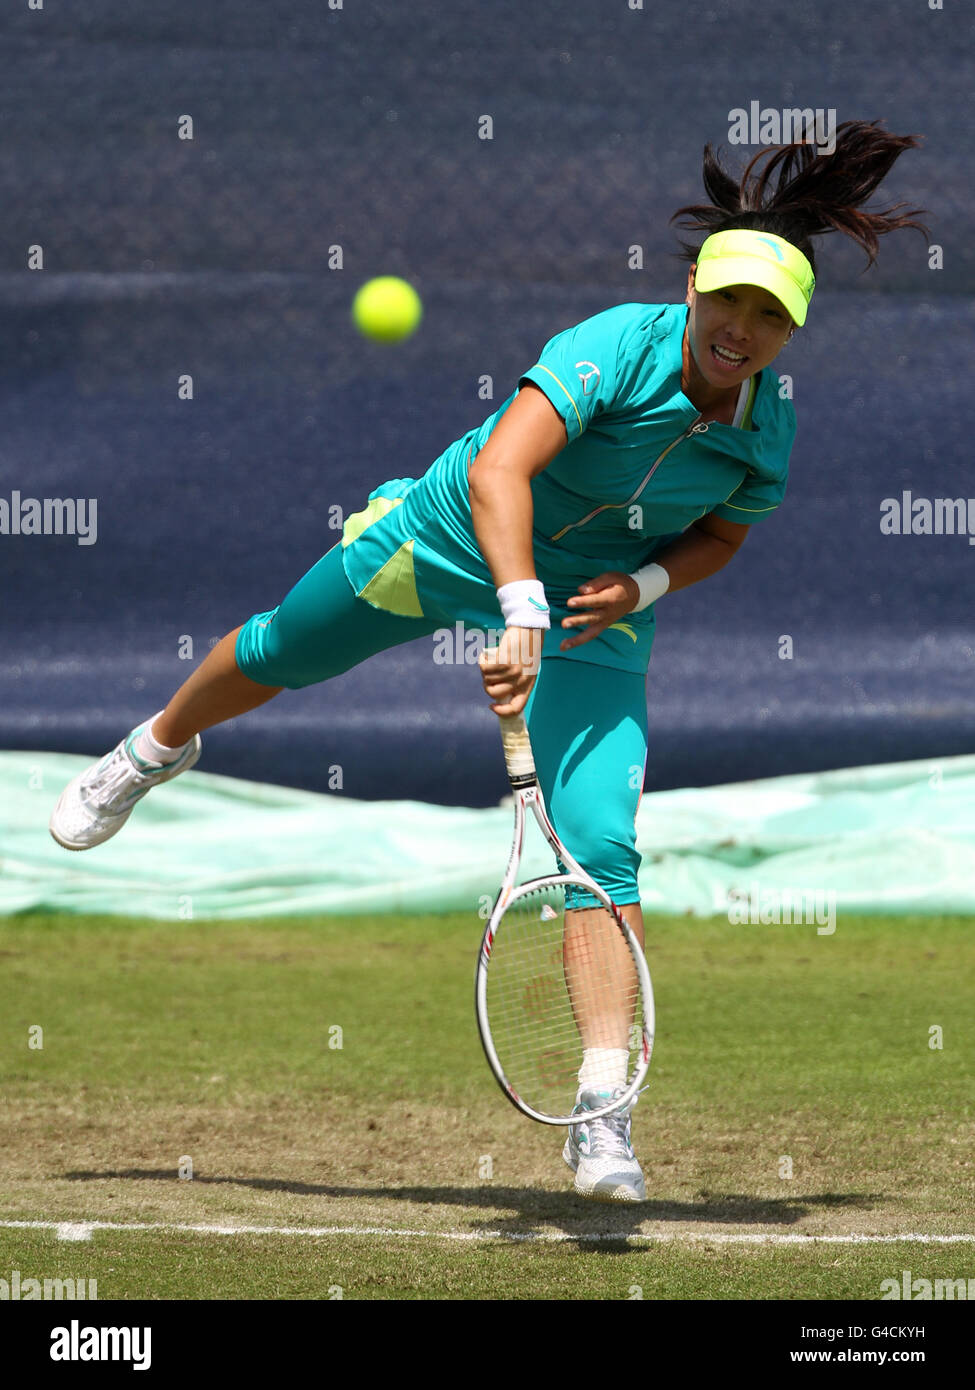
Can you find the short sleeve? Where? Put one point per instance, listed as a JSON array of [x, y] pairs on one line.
[[752, 501], [579, 370], [763, 487]]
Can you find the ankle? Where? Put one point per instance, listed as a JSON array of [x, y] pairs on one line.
[[160, 744]]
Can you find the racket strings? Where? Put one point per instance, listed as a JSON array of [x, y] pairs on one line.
[[564, 998]]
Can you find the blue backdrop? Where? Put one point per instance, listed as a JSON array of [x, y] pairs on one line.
[[357, 127]]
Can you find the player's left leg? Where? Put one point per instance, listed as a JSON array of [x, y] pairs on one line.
[[589, 734], [320, 629]]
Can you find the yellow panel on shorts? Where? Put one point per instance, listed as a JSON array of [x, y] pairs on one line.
[[359, 521], [393, 588]]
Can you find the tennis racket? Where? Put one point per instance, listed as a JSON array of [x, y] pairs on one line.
[[551, 983]]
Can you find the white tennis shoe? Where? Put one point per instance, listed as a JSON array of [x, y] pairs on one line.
[[600, 1154], [96, 804]]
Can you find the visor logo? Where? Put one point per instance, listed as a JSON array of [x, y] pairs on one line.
[[777, 249]]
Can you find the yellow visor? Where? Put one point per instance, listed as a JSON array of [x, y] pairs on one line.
[[742, 257]]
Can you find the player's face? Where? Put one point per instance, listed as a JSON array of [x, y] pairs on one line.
[[734, 332]]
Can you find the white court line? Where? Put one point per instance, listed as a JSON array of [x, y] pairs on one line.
[[82, 1230]]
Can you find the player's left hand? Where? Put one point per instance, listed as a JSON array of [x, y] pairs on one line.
[[599, 603]]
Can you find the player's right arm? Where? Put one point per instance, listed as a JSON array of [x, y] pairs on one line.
[[524, 442]]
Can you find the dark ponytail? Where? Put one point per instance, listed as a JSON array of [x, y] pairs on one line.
[[801, 193]]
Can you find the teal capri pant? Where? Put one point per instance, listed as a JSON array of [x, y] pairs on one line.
[[588, 723]]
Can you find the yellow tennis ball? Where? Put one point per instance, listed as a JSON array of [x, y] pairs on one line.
[[387, 309]]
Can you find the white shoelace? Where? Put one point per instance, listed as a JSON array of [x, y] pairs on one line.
[[108, 790], [609, 1137]]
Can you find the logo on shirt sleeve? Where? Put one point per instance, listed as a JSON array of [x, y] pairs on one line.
[[590, 379]]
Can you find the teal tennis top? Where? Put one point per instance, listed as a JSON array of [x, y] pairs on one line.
[[639, 468]]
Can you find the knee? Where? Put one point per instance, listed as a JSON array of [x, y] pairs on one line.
[[608, 854], [261, 656]]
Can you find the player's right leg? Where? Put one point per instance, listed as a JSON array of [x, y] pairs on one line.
[[320, 630], [588, 725]]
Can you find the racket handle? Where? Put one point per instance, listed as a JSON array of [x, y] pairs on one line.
[[518, 756]]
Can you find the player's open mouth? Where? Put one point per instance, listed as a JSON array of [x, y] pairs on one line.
[[726, 358]]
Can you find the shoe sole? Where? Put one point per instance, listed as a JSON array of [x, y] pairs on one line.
[[620, 1194], [93, 844], [615, 1197]]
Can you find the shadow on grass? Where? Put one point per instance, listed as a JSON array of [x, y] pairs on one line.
[[531, 1207]]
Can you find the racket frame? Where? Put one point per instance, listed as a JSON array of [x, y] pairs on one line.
[[528, 798]]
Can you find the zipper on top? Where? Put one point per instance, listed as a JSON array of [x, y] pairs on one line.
[[696, 427]]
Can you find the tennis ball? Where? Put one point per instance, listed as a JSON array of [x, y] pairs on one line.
[[386, 309]]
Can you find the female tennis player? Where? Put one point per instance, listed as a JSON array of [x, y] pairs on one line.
[[630, 461]]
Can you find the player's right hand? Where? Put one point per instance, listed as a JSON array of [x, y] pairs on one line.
[[509, 669]]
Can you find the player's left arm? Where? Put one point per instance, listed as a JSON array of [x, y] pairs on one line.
[[704, 548]]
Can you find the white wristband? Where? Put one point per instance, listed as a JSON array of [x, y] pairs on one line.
[[653, 581], [523, 603]]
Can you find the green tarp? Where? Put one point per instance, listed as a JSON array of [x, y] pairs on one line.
[[897, 838]]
